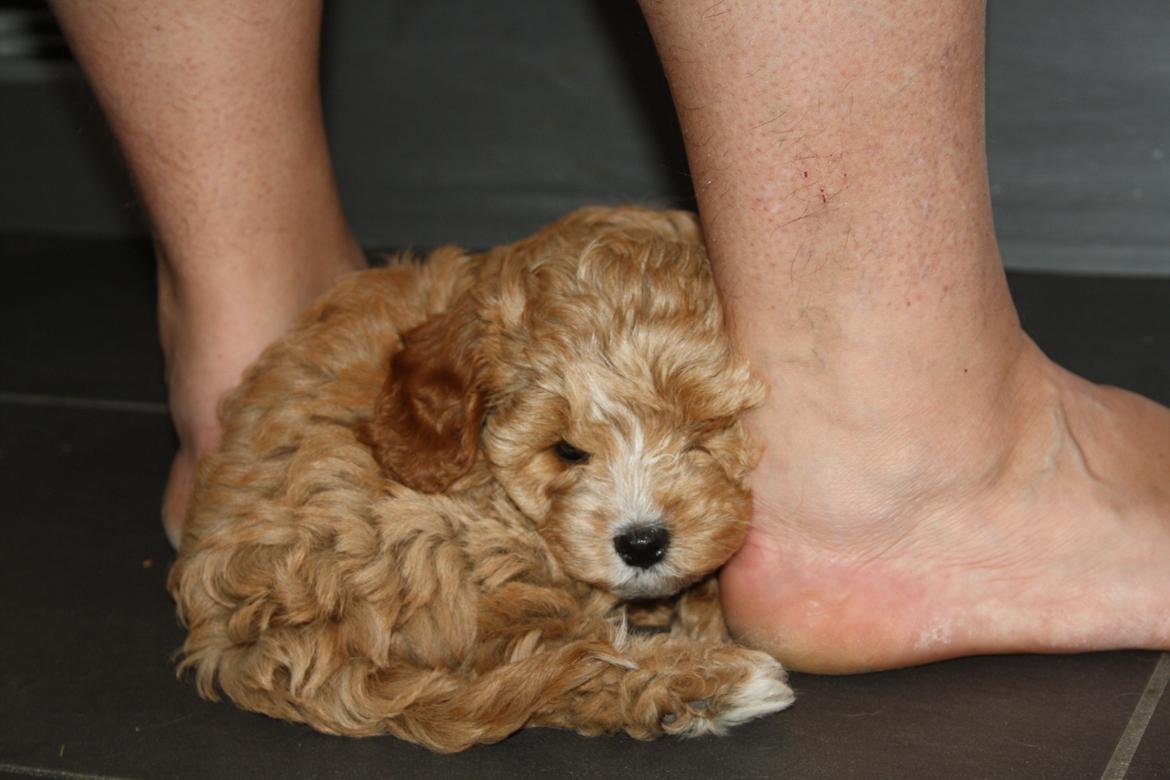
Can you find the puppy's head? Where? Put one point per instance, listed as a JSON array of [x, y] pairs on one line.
[[590, 368]]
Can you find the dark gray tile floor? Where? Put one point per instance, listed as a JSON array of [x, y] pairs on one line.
[[86, 687]]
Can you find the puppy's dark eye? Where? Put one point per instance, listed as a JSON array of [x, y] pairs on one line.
[[570, 454]]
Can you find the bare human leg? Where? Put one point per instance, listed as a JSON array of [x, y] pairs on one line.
[[218, 112], [932, 485]]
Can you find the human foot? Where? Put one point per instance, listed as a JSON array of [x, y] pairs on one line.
[[214, 325], [1049, 534], [932, 485]]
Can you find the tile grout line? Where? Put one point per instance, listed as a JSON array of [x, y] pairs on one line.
[[1138, 721], [63, 774], [91, 404]]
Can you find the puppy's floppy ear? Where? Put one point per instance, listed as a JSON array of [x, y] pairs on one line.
[[426, 424]]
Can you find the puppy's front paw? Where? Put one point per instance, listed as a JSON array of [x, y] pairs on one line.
[[763, 692], [753, 685]]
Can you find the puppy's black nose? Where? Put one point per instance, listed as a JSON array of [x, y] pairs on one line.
[[642, 546]]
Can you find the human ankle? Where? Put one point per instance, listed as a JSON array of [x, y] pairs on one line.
[[838, 467]]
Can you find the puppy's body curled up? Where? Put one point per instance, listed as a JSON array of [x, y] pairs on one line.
[[447, 501]]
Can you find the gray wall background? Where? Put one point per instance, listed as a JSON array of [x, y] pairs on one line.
[[476, 122]]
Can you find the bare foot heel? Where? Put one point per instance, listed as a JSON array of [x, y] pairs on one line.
[[213, 328], [177, 496], [1053, 536]]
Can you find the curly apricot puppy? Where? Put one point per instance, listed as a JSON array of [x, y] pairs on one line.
[[446, 496]]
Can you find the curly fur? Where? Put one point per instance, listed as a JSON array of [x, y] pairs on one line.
[[389, 542]]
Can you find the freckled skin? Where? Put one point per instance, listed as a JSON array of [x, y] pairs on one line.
[[921, 454]]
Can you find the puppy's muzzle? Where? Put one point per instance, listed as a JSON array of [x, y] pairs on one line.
[[642, 546]]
